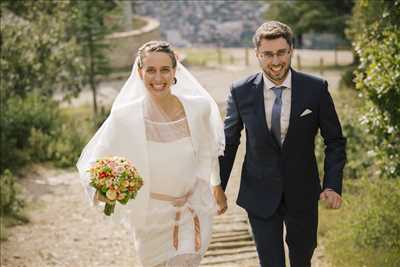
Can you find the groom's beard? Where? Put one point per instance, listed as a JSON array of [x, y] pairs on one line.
[[279, 76]]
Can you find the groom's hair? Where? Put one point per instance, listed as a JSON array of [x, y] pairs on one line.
[[273, 30], [155, 46]]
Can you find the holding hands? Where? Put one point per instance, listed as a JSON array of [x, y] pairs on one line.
[[220, 198]]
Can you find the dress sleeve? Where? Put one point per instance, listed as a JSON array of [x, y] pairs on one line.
[[215, 176], [207, 155]]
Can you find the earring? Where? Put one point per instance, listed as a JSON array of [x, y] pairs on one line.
[[174, 81]]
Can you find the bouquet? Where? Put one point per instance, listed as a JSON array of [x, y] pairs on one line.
[[116, 179]]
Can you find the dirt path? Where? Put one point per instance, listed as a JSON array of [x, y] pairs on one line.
[[65, 231]]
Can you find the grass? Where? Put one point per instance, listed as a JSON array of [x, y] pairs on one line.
[[81, 112], [338, 232], [205, 56], [83, 115]]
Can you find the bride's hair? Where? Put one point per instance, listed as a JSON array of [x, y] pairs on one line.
[[155, 46]]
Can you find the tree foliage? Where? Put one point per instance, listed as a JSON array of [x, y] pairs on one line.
[[43, 52], [90, 27], [304, 16], [38, 59], [375, 30], [36, 52], [52, 45]]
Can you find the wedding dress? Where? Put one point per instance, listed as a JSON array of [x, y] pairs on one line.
[[171, 216], [172, 163]]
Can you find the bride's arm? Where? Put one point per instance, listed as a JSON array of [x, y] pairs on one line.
[[218, 192], [215, 180], [215, 177]]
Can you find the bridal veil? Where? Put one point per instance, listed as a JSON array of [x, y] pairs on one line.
[[124, 134]]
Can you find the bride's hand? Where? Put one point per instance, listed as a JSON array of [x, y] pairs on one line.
[[220, 198]]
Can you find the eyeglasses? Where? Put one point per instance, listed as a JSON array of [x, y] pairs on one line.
[[267, 55]]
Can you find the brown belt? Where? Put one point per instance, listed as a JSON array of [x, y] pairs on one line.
[[179, 202]]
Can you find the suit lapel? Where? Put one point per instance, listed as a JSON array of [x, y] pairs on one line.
[[295, 106], [258, 87]]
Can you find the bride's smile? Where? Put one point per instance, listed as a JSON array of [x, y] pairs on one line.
[[157, 73]]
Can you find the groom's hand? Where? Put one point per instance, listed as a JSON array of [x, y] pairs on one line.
[[220, 198], [332, 199]]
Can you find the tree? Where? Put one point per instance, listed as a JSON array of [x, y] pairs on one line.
[[36, 54], [304, 16], [375, 32], [68, 47], [91, 31], [37, 59]]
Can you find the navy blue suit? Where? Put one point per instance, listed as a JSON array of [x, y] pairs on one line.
[[282, 184]]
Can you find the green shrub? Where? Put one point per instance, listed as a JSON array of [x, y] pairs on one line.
[[9, 201], [375, 30], [65, 150], [360, 156], [39, 142], [78, 125], [35, 129], [366, 231], [359, 147], [348, 76], [25, 121]]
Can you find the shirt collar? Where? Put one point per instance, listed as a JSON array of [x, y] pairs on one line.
[[286, 83]]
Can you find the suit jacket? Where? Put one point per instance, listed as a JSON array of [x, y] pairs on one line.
[[270, 172]]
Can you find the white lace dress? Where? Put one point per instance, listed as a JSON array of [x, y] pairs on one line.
[[172, 167]]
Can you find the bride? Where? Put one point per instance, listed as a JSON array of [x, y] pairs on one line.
[[170, 128]]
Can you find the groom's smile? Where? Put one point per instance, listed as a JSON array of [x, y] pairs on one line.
[[274, 57]]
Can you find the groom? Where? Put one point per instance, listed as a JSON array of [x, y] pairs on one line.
[[281, 111]]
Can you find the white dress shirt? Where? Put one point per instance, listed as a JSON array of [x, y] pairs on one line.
[[269, 99]]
